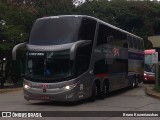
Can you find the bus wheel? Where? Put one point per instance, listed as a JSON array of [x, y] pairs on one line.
[[136, 82], [133, 84], [94, 93], [106, 88]]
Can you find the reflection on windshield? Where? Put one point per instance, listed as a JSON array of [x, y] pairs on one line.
[[51, 64], [149, 67], [148, 59]]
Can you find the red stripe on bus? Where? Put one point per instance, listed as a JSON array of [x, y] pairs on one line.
[[101, 75]]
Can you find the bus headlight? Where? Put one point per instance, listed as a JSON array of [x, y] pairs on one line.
[[145, 74], [27, 86], [69, 87]]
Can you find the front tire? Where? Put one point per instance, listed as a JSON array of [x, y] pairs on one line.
[[102, 93], [135, 82]]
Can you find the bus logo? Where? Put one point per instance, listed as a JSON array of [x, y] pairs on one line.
[[115, 51], [44, 86], [44, 90]]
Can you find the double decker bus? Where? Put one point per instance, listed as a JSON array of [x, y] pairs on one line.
[[74, 57]]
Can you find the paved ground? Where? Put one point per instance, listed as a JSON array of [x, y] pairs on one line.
[[149, 89], [9, 89], [124, 100]]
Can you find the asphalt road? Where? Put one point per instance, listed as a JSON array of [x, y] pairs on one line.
[[123, 100]]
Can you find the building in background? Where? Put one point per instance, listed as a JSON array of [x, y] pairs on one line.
[[155, 40]]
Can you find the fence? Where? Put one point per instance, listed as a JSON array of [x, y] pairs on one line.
[[10, 75]]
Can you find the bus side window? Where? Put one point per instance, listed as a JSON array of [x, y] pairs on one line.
[[102, 35], [87, 29], [125, 45], [139, 44], [110, 39], [130, 41], [142, 46], [81, 68], [120, 39], [134, 41]]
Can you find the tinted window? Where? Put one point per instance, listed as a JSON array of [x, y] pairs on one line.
[[55, 31], [82, 61], [101, 67], [49, 65], [139, 44], [103, 35], [120, 39], [130, 41], [87, 29], [135, 43], [142, 45], [108, 35]]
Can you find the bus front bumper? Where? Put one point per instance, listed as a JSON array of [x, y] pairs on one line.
[[67, 93]]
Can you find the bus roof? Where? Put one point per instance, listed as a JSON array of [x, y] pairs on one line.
[[90, 17], [149, 52]]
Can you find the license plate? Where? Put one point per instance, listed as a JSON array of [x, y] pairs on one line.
[[45, 97]]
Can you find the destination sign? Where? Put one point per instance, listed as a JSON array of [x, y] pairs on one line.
[[36, 54]]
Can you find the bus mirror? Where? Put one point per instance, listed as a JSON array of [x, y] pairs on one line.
[[14, 50], [75, 46]]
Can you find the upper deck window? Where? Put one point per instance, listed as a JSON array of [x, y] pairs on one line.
[[55, 31], [109, 35], [103, 35], [87, 29]]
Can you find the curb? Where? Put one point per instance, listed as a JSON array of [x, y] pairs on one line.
[[151, 92]]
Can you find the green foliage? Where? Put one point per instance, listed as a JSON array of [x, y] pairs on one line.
[[14, 34], [53, 7], [17, 24]]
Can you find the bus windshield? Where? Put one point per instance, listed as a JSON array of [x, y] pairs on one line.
[[149, 67], [49, 65], [55, 31]]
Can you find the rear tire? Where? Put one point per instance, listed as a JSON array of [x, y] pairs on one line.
[[106, 88], [133, 83], [136, 81], [102, 93]]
